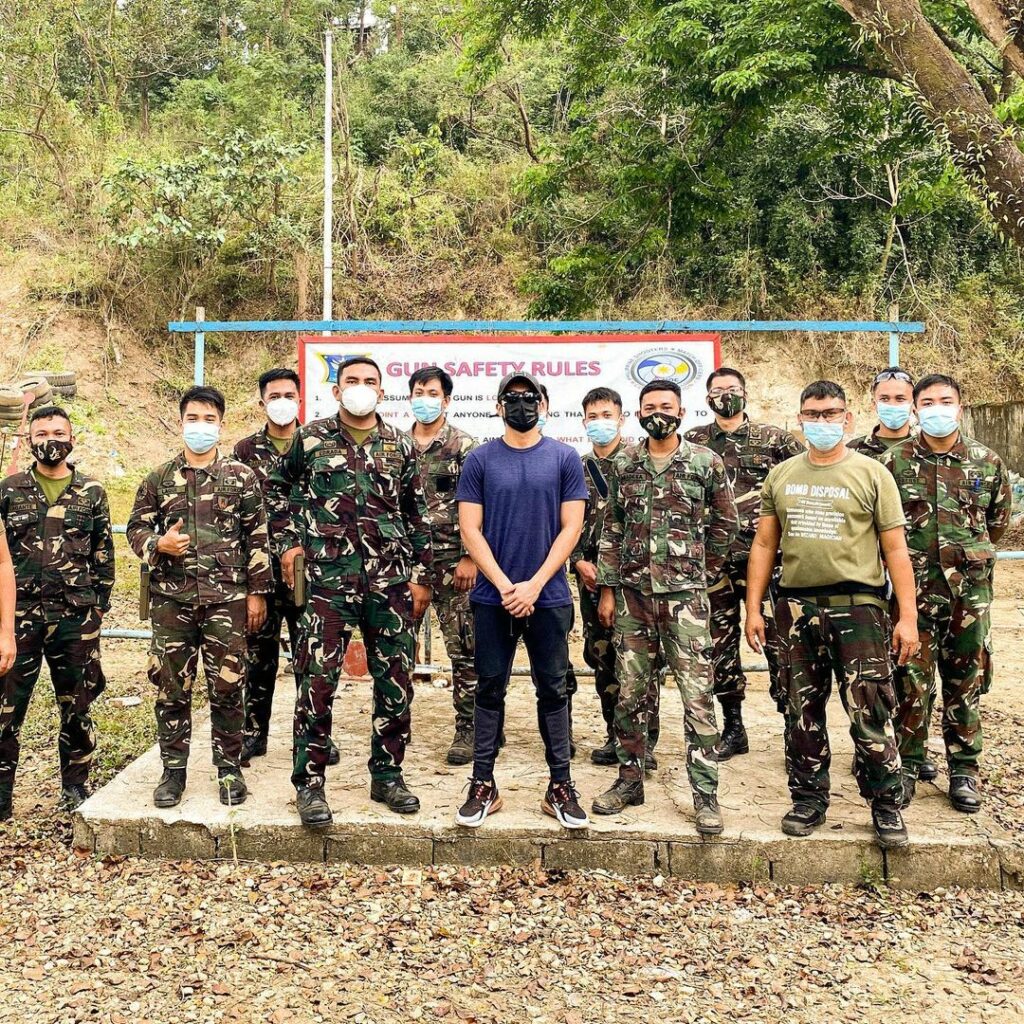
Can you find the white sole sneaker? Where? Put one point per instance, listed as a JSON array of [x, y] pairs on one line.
[[563, 819], [476, 820]]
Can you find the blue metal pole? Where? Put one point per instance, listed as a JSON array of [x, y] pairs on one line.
[[200, 367], [894, 349], [544, 326]]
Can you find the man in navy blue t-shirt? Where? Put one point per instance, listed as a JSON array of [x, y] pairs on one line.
[[521, 500]]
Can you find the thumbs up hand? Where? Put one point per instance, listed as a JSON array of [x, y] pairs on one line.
[[174, 542]]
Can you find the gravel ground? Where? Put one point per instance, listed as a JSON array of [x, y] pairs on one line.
[[128, 940]]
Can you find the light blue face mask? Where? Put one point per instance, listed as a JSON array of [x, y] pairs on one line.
[[823, 437], [541, 420], [602, 432], [893, 416], [939, 420], [426, 410], [200, 437]]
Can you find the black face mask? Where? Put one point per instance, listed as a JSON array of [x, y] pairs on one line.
[[727, 406], [659, 425], [51, 453], [521, 416]]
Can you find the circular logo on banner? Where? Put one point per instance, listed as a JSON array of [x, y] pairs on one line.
[[664, 364]]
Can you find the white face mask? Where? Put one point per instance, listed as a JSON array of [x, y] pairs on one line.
[[282, 411], [359, 399]]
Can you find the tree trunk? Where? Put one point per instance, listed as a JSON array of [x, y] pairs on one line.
[[1001, 22], [144, 108], [301, 283], [982, 147]]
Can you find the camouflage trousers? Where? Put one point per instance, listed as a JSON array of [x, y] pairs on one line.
[[673, 627], [850, 642], [955, 640], [455, 617], [599, 654], [181, 634], [71, 647], [385, 621], [263, 657], [726, 600]]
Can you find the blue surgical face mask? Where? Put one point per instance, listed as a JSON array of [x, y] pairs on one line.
[[939, 420], [425, 409], [602, 432], [823, 437], [200, 437], [893, 416], [541, 420]]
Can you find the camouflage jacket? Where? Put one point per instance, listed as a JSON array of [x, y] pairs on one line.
[[440, 466], [957, 505], [257, 452], [222, 512], [357, 510], [748, 452], [590, 539], [875, 447], [667, 532], [63, 554]]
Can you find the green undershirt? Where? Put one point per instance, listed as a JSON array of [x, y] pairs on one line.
[[53, 489], [359, 435], [282, 444]]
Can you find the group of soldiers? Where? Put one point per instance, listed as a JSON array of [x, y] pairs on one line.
[[868, 561]]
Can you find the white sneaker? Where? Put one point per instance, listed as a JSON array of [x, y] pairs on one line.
[[483, 799], [563, 803]]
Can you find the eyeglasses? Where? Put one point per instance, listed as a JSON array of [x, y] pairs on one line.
[[519, 396], [828, 415], [718, 392], [892, 375]]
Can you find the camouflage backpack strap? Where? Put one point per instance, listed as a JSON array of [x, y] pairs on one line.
[[596, 476]]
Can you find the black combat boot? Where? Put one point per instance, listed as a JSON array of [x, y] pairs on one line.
[[802, 820], [169, 789], [314, 811], [393, 792], [252, 746], [964, 795], [889, 828], [231, 786], [929, 770], [605, 755], [734, 737], [909, 785], [6, 800], [333, 755], [624, 793], [72, 797]]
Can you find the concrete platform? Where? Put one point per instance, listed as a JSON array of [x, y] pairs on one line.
[[946, 848]]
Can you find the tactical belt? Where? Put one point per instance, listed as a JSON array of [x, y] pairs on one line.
[[839, 600]]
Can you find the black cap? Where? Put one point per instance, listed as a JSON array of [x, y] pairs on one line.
[[509, 379]]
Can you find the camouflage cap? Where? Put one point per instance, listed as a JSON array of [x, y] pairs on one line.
[[510, 378]]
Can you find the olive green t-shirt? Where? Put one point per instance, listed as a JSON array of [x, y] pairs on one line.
[[830, 517], [282, 444], [53, 489], [359, 435]]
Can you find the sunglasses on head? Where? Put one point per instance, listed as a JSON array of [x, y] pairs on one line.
[[893, 375], [520, 396]]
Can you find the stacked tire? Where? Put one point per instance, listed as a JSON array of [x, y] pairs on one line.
[[62, 385], [11, 406]]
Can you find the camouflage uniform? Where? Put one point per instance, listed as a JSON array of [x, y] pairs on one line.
[[748, 452], [957, 504], [875, 447], [665, 536], [844, 635], [257, 452], [598, 642], [360, 514], [198, 600], [63, 558], [440, 464]]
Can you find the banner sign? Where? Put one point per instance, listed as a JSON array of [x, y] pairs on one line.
[[568, 365]]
